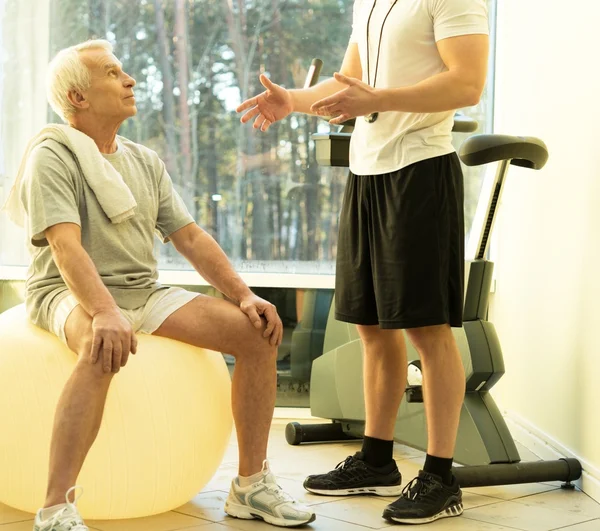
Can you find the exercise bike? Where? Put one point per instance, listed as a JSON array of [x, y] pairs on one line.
[[485, 450]]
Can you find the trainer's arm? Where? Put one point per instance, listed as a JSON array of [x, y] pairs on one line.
[[466, 58], [207, 257], [78, 270], [303, 98]]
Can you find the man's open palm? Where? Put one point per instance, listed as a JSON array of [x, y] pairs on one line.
[[273, 104]]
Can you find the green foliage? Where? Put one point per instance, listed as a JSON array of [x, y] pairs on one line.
[[276, 203]]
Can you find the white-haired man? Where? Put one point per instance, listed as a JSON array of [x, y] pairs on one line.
[[93, 283]]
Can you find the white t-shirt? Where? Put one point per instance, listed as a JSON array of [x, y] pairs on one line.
[[408, 55]]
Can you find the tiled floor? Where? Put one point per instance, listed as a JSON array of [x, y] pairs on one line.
[[537, 507]]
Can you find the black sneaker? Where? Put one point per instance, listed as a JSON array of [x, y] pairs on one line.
[[355, 476], [425, 499]]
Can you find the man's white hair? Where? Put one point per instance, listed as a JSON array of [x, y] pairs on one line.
[[67, 72]]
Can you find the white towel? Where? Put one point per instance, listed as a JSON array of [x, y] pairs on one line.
[[108, 185]]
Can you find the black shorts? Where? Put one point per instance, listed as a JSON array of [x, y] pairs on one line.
[[400, 257]]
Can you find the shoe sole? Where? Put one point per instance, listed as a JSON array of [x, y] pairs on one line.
[[243, 512], [393, 490], [448, 512]]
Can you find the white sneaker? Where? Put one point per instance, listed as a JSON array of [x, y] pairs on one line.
[[266, 501], [66, 519]]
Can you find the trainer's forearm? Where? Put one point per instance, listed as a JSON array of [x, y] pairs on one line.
[[207, 257], [447, 91], [302, 99], [82, 278]]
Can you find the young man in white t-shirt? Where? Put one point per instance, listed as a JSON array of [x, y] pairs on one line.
[[409, 65]]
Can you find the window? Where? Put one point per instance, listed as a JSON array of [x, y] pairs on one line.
[[262, 196]]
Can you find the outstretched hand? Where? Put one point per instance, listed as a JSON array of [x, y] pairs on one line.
[[255, 307], [357, 99], [273, 104]]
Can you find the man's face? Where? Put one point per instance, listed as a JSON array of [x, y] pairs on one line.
[[111, 92]]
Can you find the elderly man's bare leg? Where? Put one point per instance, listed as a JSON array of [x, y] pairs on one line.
[[219, 325], [78, 413], [205, 322]]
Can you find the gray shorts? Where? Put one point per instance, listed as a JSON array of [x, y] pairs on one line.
[[146, 319]]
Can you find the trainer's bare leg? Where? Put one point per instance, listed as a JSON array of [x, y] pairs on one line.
[[384, 373], [221, 326], [79, 410], [443, 385]]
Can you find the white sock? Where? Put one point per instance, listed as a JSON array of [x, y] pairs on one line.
[[49, 512], [246, 481]]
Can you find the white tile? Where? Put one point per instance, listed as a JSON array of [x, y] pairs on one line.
[[170, 521], [573, 501], [365, 511], [471, 500], [409, 468], [297, 491], [511, 492], [590, 525], [460, 523], [322, 523], [26, 525], [402, 451], [525, 517], [206, 527], [9, 515], [298, 467], [535, 507], [222, 478], [206, 505]]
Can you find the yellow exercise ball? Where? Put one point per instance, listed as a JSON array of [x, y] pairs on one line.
[[166, 425]]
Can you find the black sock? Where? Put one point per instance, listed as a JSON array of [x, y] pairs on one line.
[[377, 451], [439, 466]]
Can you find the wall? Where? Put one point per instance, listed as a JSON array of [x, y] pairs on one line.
[[547, 238]]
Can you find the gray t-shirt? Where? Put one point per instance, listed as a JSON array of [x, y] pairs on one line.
[[55, 191]]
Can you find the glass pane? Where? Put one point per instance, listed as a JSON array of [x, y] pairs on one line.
[[262, 196]]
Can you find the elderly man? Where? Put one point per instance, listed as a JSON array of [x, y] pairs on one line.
[[92, 282]]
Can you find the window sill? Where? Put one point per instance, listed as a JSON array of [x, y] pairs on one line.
[[191, 278]]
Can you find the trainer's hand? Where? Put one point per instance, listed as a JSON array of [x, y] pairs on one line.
[[253, 306], [357, 99], [273, 104], [112, 340]]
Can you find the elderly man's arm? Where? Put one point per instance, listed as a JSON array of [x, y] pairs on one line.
[[112, 332], [207, 257]]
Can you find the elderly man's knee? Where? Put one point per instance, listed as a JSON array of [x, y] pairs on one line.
[[94, 370], [255, 345]]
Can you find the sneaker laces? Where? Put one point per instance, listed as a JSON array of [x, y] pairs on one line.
[[271, 485], [279, 493], [68, 518], [421, 486], [345, 468]]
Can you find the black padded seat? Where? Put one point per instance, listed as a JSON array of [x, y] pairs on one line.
[[526, 151]]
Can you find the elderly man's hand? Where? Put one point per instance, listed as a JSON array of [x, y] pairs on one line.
[[113, 339], [253, 306]]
